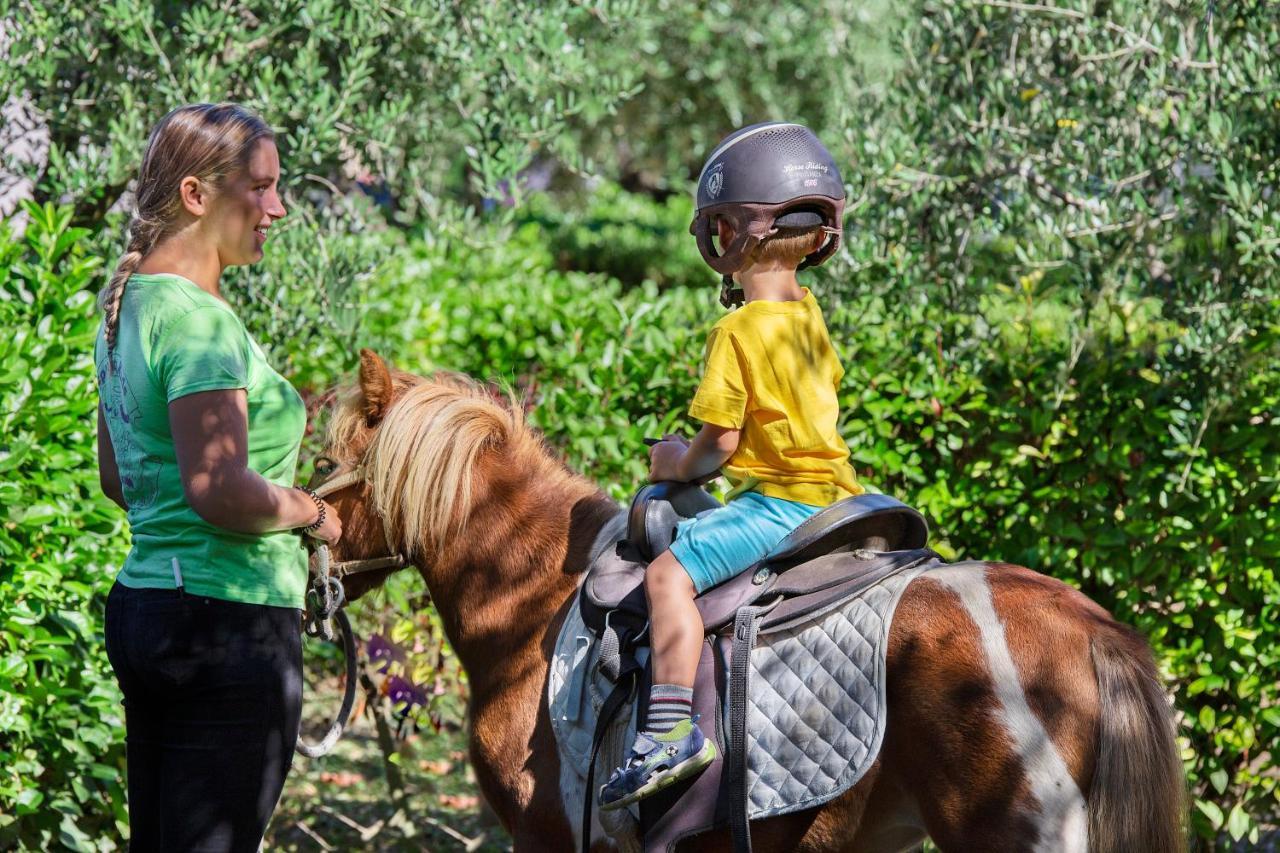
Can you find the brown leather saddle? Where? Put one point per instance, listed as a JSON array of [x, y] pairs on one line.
[[614, 586], [834, 555]]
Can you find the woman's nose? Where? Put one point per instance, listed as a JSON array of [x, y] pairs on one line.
[[275, 207]]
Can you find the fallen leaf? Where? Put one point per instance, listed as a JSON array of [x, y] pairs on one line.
[[459, 801], [440, 768], [343, 779]]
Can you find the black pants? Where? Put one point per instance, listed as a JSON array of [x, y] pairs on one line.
[[213, 698]]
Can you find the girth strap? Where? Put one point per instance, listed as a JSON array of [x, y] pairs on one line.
[[745, 625]]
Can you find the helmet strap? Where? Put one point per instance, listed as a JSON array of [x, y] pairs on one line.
[[730, 296]]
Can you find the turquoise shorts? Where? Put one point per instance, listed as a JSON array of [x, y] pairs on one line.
[[726, 541]]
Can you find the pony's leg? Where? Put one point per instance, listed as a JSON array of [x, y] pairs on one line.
[[992, 710]]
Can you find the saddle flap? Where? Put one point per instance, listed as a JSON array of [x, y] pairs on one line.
[[873, 522], [615, 581]]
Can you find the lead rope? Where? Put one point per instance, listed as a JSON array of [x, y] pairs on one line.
[[324, 598], [324, 607]]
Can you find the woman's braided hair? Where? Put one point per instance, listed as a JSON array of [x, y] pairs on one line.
[[207, 141]]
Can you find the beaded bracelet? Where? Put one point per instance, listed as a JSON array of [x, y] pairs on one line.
[[319, 522]]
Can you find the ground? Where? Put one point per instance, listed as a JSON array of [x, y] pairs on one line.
[[343, 801]]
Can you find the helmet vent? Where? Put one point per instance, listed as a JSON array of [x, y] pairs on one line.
[[789, 140]]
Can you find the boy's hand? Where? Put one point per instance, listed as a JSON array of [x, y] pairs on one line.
[[664, 458]]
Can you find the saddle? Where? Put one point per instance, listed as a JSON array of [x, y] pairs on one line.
[[834, 555]]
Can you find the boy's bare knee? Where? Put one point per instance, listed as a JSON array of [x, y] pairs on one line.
[[665, 578]]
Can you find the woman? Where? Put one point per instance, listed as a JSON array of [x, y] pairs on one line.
[[198, 441]]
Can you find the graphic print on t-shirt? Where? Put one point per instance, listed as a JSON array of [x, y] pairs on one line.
[[139, 476]]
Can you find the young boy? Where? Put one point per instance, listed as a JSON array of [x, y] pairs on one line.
[[768, 406]]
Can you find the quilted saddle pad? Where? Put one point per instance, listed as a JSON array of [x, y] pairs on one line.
[[815, 716]]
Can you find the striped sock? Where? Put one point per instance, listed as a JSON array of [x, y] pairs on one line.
[[669, 705]]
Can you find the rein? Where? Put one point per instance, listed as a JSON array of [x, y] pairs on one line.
[[325, 602]]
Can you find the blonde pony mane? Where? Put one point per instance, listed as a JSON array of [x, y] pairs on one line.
[[421, 458]]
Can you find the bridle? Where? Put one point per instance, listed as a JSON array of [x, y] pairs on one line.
[[330, 485], [326, 597]]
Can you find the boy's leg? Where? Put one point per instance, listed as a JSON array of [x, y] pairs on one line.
[[675, 637], [671, 747], [675, 625]]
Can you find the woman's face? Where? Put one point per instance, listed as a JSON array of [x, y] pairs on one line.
[[246, 206]]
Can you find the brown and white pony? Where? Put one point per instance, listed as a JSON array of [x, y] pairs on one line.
[[1021, 715]]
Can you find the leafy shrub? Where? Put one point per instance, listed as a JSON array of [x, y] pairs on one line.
[[625, 236], [602, 365], [1110, 478], [61, 726]]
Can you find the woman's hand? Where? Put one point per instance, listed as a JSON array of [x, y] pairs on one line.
[[331, 531], [664, 458]]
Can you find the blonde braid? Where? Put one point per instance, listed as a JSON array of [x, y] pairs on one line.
[[141, 241]]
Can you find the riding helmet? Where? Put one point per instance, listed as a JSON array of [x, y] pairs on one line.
[[765, 179]]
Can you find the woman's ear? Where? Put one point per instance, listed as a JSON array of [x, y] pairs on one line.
[[195, 195], [375, 386]]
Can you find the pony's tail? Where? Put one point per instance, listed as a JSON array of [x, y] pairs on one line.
[[1138, 799]]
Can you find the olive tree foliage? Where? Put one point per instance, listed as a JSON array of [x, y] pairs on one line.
[[427, 95], [432, 107], [1094, 148], [709, 68]]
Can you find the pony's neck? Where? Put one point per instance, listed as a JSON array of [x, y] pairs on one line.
[[502, 591], [503, 583]]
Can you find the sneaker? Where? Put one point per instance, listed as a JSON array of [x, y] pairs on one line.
[[658, 761]]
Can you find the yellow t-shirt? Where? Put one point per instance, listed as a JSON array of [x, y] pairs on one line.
[[772, 373]]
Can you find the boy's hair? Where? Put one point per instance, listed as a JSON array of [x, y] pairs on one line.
[[787, 248]]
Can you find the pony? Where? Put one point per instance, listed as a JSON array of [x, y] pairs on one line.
[[1021, 715]]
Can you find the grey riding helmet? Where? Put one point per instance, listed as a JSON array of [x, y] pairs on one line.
[[764, 179]]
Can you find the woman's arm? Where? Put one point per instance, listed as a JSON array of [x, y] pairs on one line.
[[211, 438], [108, 471], [674, 459]]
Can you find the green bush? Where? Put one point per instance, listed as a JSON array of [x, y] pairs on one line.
[[1111, 479], [61, 722], [602, 365], [625, 236]]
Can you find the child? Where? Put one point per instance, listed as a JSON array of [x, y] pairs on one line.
[[767, 402]]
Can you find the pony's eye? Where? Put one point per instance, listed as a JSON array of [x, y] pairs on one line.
[[325, 466]]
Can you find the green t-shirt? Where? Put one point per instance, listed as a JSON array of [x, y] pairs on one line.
[[175, 339]]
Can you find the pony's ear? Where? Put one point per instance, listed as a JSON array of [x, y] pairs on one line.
[[375, 386]]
